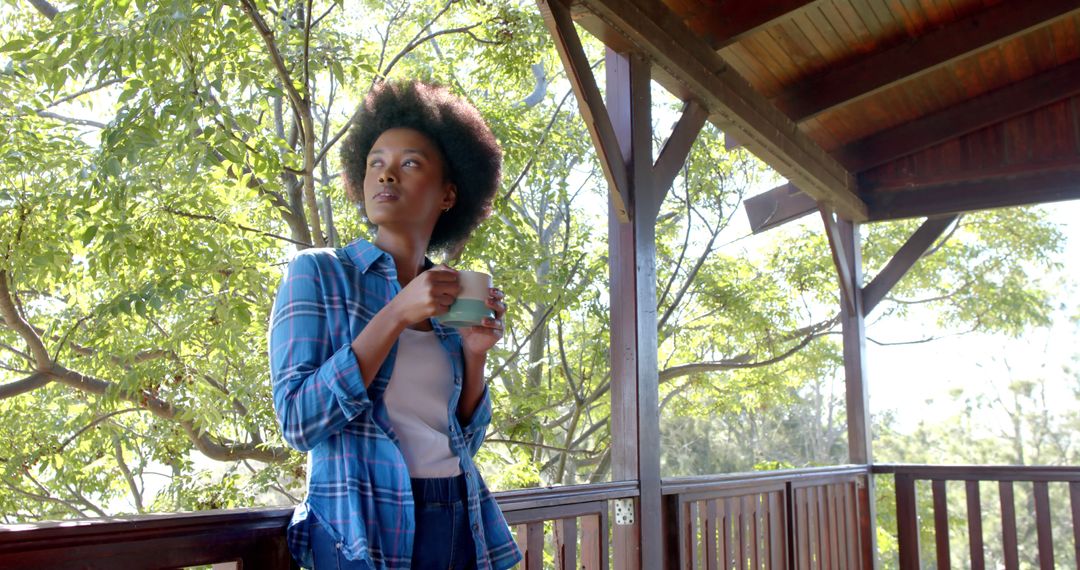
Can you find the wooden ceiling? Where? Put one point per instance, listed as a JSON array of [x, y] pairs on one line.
[[879, 109]]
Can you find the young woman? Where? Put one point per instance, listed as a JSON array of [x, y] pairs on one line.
[[390, 405]]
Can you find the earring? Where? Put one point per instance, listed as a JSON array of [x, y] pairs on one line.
[[445, 210]]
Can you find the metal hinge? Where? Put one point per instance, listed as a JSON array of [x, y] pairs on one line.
[[624, 511]]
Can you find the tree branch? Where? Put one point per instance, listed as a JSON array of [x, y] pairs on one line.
[[46, 9], [732, 364], [275, 56], [32, 382], [74, 508], [302, 109], [71, 120], [136, 494], [237, 226], [16, 323], [85, 91], [162, 409]]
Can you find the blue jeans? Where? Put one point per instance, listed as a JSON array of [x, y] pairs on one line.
[[443, 539]]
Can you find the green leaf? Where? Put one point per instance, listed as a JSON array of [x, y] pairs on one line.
[[88, 234]]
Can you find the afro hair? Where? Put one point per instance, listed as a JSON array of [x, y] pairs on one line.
[[471, 155]]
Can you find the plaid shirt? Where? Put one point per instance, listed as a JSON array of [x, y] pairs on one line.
[[358, 483]]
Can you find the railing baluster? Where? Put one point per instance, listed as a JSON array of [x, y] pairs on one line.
[[566, 544], [1008, 525], [534, 554], [851, 530], [975, 533], [740, 533], [802, 528], [1042, 525], [702, 534], [711, 558], [777, 524], [590, 542], [724, 531], [813, 515], [907, 525], [754, 503], [1074, 499], [834, 528], [843, 543], [941, 524], [691, 541], [764, 530]]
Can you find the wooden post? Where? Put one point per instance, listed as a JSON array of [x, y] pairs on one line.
[[857, 397], [635, 376]]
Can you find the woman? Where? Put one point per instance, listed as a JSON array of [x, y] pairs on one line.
[[390, 405]]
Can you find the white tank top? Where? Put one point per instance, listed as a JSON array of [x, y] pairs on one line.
[[417, 401]]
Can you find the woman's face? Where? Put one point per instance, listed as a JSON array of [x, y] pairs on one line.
[[404, 184]]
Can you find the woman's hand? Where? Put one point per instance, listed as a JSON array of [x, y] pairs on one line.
[[429, 294], [478, 340]]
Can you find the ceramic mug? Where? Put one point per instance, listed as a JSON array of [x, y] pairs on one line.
[[470, 308]]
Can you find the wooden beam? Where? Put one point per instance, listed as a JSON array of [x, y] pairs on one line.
[[590, 102], [634, 341], [765, 131], [991, 108], [840, 259], [904, 259], [856, 391], [731, 143], [1001, 192], [777, 207], [918, 56], [677, 147], [725, 23]]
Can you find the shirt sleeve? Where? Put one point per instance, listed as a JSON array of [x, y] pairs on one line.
[[317, 389], [476, 428]]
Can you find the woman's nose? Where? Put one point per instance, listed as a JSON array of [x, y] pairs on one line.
[[387, 177]]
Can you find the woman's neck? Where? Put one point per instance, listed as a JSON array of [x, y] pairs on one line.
[[408, 254]]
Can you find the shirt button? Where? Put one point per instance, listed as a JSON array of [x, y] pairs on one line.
[[476, 528], [457, 379], [468, 474]]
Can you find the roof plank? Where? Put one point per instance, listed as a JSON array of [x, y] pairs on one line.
[[730, 100], [912, 59], [994, 107]]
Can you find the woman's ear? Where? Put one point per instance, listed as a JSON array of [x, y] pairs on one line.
[[450, 196]]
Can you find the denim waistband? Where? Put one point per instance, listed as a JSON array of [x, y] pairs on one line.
[[439, 490]]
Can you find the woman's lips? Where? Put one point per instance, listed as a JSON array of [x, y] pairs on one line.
[[385, 197]]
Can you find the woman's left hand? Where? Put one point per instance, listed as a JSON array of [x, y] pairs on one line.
[[478, 340]]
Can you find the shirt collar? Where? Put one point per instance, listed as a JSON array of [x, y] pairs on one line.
[[364, 254]]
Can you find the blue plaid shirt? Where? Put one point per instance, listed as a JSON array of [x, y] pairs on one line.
[[358, 483]]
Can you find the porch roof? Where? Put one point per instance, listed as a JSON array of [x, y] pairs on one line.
[[877, 110]]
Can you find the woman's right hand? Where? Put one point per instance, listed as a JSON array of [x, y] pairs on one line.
[[429, 294]]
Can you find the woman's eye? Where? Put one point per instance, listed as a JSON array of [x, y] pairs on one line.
[[410, 162], [374, 164]]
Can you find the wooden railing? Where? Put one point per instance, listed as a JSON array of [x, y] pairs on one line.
[[809, 519], [1040, 479], [255, 538], [578, 517]]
